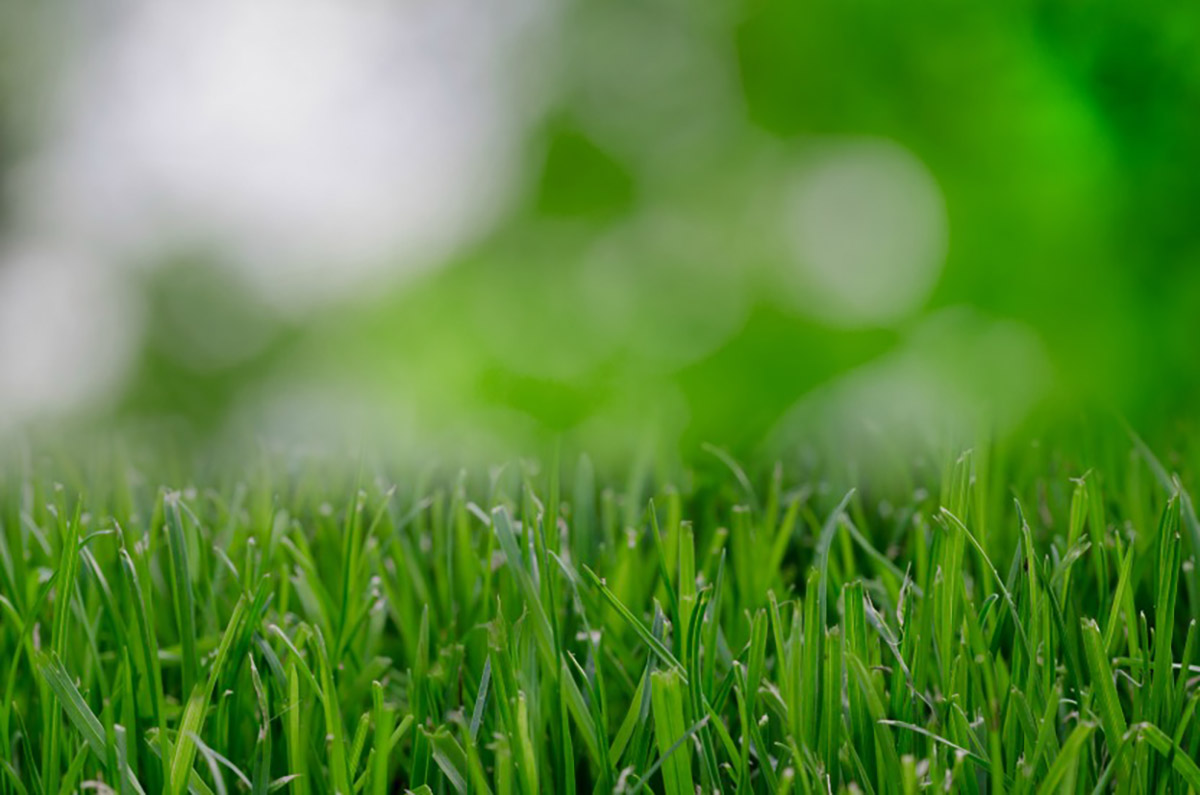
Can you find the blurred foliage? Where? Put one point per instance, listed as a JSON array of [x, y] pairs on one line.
[[634, 287]]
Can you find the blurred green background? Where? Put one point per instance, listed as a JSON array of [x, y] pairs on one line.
[[742, 223]]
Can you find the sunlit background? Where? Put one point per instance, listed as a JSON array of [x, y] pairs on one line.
[[458, 225]]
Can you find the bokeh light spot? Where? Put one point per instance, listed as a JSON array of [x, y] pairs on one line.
[[867, 228], [317, 149], [68, 333]]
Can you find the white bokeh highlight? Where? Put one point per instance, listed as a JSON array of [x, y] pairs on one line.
[[955, 374], [317, 149], [67, 333], [311, 145], [867, 232]]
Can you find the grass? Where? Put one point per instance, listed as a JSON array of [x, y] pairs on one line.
[[1012, 619]]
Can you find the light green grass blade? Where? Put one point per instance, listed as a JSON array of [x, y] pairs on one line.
[[1112, 718], [638, 627], [182, 595], [1068, 758], [79, 713], [194, 714], [1179, 759], [667, 696]]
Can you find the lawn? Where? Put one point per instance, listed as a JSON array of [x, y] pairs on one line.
[[1009, 618]]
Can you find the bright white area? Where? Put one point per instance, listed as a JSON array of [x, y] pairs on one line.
[[317, 148], [867, 228]]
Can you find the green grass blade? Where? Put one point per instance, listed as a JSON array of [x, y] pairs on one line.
[[195, 713], [79, 713], [667, 697], [1112, 718], [182, 596]]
